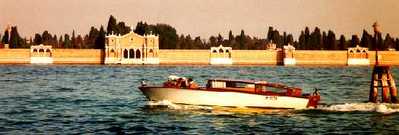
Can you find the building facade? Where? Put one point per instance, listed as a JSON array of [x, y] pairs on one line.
[[131, 48], [41, 54], [221, 55], [358, 56], [289, 55]]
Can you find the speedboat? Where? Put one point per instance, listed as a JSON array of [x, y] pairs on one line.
[[231, 93]]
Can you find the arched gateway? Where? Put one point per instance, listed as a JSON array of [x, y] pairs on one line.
[[131, 48]]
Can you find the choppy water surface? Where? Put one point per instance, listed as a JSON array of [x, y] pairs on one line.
[[69, 99]]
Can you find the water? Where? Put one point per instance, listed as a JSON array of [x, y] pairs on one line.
[[72, 99]]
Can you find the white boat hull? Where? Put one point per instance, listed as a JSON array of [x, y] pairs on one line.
[[215, 98]]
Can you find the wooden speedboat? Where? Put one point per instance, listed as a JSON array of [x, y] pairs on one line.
[[232, 93]]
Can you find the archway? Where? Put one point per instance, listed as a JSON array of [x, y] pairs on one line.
[[131, 53], [151, 53], [125, 54], [138, 54], [112, 53]]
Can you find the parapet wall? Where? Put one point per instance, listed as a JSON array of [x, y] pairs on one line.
[[257, 57], [14, 56], [310, 57], [386, 57], [78, 56], [169, 56]]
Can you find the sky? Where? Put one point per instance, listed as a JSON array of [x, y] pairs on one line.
[[203, 17]]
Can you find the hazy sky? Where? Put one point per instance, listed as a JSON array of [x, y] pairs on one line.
[[203, 17]]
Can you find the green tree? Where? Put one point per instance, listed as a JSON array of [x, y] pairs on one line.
[[242, 40], [389, 41], [111, 27], [5, 37], [342, 43], [331, 41], [100, 40], [355, 41], [15, 40], [73, 39], [46, 38], [38, 39], [67, 41], [366, 40]]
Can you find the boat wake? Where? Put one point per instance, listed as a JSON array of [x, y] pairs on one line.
[[383, 108], [170, 105], [215, 110]]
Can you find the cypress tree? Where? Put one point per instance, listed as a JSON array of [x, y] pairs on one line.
[[15, 39], [5, 37], [100, 40], [111, 27], [38, 39]]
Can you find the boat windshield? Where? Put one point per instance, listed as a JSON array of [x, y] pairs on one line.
[[263, 88], [229, 84]]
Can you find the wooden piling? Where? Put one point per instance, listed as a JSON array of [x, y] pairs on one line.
[[383, 78]]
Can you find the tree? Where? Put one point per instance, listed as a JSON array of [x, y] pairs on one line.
[[15, 40], [213, 41], [366, 40], [111, 27], [389, 42], [122, 28], [60, 42], [79, 42], [73, 39], [38, 39], [355, 41], [242, 40], [331, 45], [220, 39], [46, 38], [5, 37], [290, 39], [342, 43], [315, 41], [100, 40], [67, 41]]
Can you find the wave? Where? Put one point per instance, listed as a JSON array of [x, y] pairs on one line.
[[383, 108]]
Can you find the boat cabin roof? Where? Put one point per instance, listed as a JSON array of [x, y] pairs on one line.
[[262, 83]]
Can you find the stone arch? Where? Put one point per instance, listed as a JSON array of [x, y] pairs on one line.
[[138, 54], [125, 54], [131, 53], [48, 52], [214, 51], [151, 52], [41, 50], [112, 53], [221, 50], [35, 50]]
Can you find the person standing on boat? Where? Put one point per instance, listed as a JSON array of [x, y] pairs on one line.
[[192, 84]]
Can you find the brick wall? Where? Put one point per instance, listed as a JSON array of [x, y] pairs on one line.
[[78, 56], [14, 56]]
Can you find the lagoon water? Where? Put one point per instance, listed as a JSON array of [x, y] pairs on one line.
[[100, 99]]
